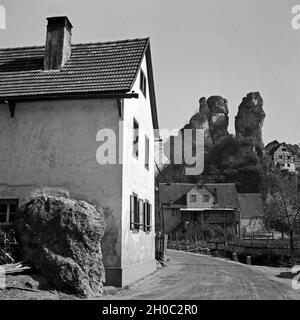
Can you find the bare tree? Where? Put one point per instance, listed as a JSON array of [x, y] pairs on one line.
[[283, 207]]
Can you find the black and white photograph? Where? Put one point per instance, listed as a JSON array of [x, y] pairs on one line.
[[149, 151]]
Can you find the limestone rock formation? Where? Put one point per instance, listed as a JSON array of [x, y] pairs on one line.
[[201, 120], [212, 118], [218, 117], [61, 237], [227, 158], [249, 120]]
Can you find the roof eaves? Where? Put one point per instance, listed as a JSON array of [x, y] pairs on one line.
[[152, 88], [70, 95]]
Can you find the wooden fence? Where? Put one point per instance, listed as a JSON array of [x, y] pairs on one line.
[[241, 247]]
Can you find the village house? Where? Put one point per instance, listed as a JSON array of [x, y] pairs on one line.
[[197, 205], [283, 156], [54, 100]]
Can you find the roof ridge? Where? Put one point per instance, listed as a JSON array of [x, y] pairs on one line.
[[111, 41], [78, 44]]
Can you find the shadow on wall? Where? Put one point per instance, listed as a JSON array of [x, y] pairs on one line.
[[111, 256]]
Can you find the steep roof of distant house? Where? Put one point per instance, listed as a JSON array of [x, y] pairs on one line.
[[251, 205], [175, 193], [295, 149], [270, 147], [275, 145], [93, 68]]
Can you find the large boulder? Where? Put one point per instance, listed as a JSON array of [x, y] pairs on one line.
[[61, 238]]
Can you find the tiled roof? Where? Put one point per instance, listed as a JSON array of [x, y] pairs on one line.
[[275, 145], [104, 67], [271, 147], [175, 193], [251, 205]]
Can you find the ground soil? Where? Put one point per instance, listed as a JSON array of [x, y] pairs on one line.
[[187, 276]]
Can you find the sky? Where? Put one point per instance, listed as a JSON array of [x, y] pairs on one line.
[[199, 48]]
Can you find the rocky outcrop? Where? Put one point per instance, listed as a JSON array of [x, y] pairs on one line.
[[218, 117], [227, 158], [201, 120], [212, 118], [249, 121], [61, 237]]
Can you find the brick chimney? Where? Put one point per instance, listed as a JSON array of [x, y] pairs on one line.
[[58, 43]]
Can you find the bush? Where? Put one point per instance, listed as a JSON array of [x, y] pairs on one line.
[[7, 234], [215, 232]]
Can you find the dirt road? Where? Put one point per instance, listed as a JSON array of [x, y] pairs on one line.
[[191, 276]]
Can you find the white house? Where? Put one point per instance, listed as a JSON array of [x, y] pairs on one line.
[[198, 204], [283, 156], [55, 100]]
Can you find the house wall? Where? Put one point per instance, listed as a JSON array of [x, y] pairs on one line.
[[53, 144], [199, 193], [138, 250], [172, 219], [285, 158]]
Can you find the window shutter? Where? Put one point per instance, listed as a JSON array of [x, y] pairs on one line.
[[145, 216], [149, 216], [131, 212], [136, 213]]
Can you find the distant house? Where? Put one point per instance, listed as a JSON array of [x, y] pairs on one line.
[[55, 99], [251, 212], [283, 156], [198, 204]]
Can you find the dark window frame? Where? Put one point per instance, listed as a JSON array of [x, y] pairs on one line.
[[9, 213], [193, 196], [206, 197], [134, 213], [147, 152], [135, 141], [143, 83], [147, 216]]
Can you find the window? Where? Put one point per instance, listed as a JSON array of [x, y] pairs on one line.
[[8, 209], [134, 213], [147, 216], [140, 214], [135, 138], [193, 198], [143, 83], [206, 198], [174, 213], [146, 152]]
